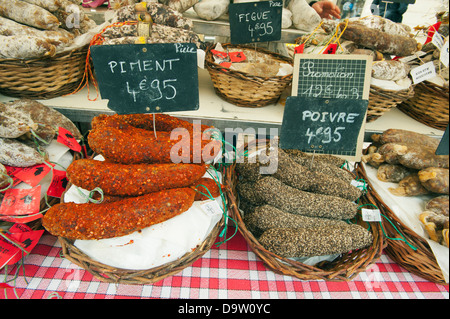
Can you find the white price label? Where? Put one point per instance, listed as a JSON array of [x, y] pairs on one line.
[[211, 208], [438, 40], [358, 184], [444, 54], [371, 215], [424, 72]]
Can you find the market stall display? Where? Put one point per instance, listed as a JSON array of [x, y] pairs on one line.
[[407, 180], [149, 209], [292, 219], [430, 102], [43, 47], [390, 83], [146, 206]]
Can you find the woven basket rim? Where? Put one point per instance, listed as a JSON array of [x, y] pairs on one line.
[[429, 105], [442, 89], [343, 268], [44, 77], [211, 65], [112, 274], [420, 262]]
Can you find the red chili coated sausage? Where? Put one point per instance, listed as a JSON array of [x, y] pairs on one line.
[[121, 142], [132, 179], [119, 218]]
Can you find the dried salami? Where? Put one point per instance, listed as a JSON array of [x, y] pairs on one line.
[[25, 47], [59, 38], [375, 39], [160, 13], [44, 116], [28, 14], [17, 154], [159, 34], [179, 5], [50, 5]]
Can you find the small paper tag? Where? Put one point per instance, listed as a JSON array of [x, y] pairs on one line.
[[33, 175], [237, 56], [410, 58], [7, 252], [356, 183], [65, 137], [226, 64], [58, 185], [21, 201], [331, 49], [211, 208], [444, 54], [424, 72], [371, 215], [431, 30], [437, 40], [11, 171], [21, 235], [300, 48], [219, 54]]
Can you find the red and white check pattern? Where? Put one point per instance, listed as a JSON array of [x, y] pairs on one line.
[[229, 271]]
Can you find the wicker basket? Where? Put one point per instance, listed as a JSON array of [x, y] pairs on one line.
[[420, 262], [382, 101], [43, 78], [110, 274], [243, 89], [429, 105], [343, 268]]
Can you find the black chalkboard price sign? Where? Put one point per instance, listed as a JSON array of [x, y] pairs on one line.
[[322, 126], [255, 21], [147, 78], [443, 144]]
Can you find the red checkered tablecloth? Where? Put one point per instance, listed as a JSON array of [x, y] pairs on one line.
[[229, 271]]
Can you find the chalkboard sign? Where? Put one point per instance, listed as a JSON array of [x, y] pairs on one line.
[[443, 145], [255, 21], [332, 76], [147, 78], [323, 126]]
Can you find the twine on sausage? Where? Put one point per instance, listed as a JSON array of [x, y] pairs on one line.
[[217, 135], [90, 196]]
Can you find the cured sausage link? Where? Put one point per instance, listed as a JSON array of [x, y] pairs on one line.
[[122, 143], [132, 179], [119, 218]]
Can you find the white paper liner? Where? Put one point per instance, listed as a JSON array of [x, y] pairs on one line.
[[408, 209], [155, 245]]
